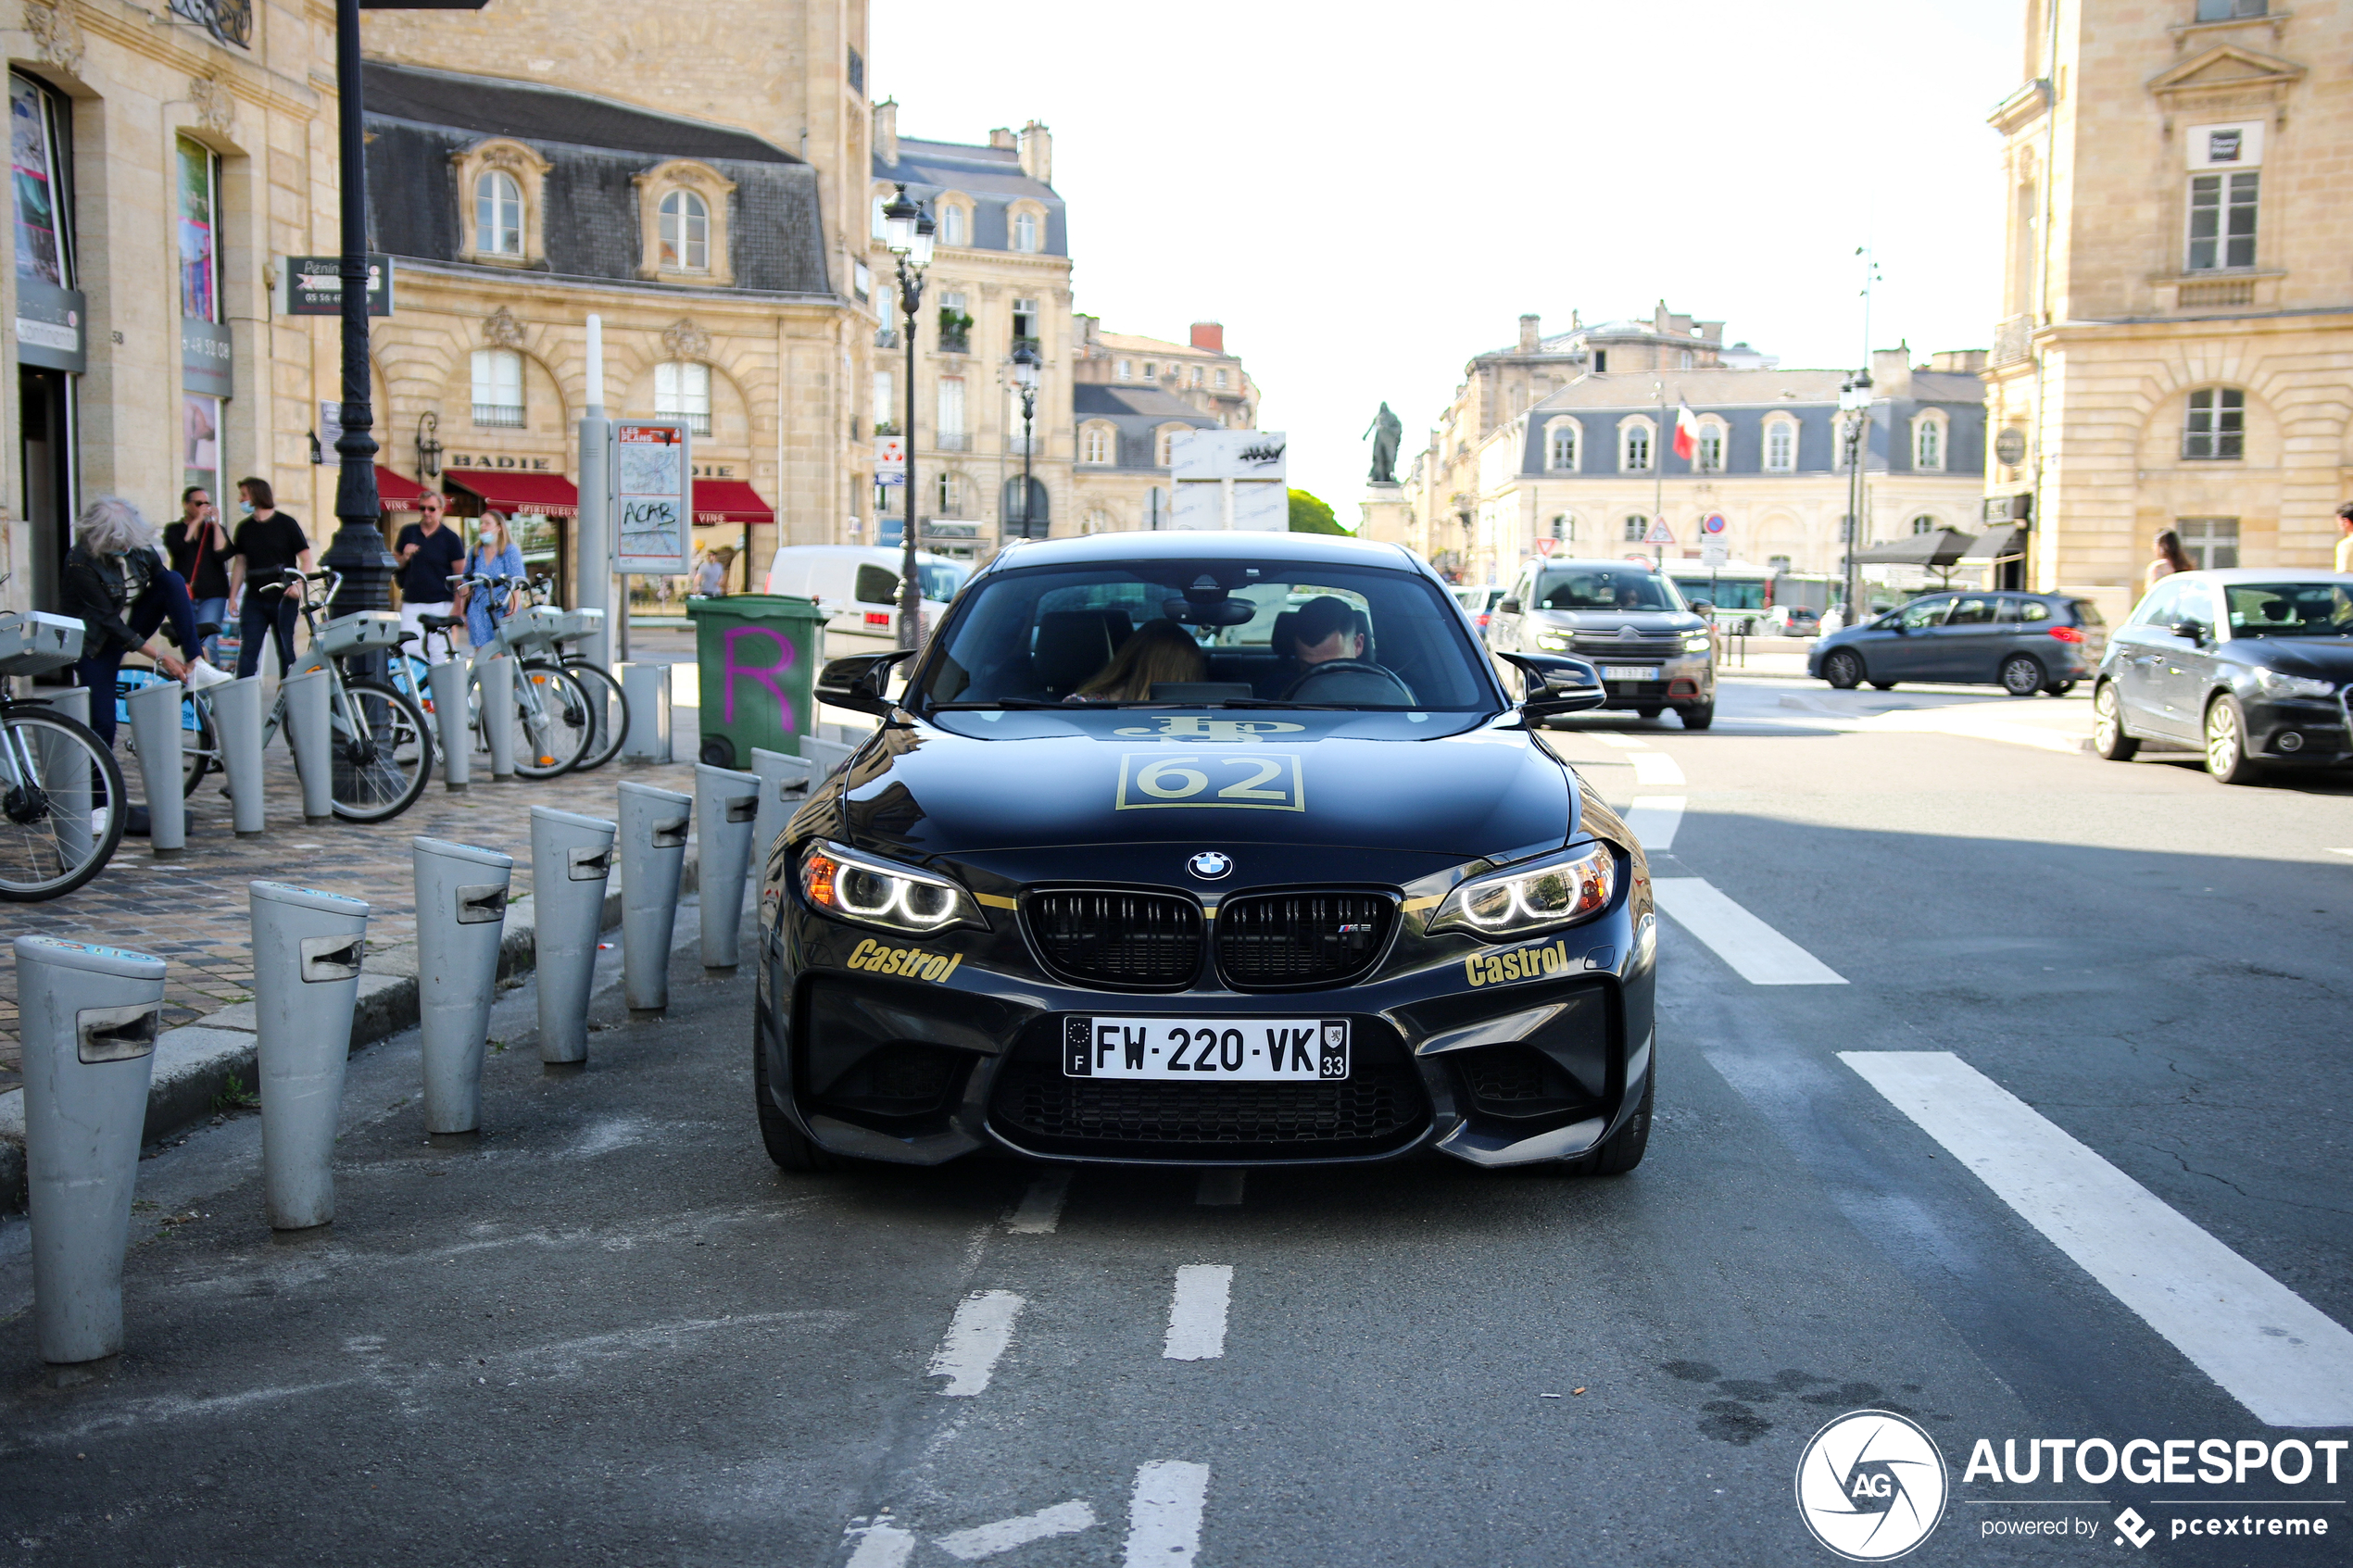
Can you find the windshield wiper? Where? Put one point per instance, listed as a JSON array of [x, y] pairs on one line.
[[1012, 702]]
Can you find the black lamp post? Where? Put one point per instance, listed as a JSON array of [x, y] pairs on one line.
[[1855, 406], [1026, 382], [909, 231], [428, 445]]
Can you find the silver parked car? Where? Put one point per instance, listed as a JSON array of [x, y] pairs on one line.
[[1653, 651]]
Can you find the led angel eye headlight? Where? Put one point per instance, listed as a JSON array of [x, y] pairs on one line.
[[874, 892], [1562, 890]]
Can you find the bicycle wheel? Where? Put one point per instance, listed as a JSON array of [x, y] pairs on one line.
[[552, 724], [199, 746], [383, 753], [62, 804], [608, 719]]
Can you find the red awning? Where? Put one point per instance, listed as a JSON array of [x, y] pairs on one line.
[[397, 493], [729, 500], [547, 495]]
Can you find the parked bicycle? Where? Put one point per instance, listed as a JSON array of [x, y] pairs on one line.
[[555, 720], [62, 804]]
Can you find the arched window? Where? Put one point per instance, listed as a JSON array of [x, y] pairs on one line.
[[1026, 231], [1163, 444], [949, 493], [681, 391], [1923, 525], [1928, 443], [1097, 443], [1560, 445], [499, 388], [1635, 527], [952, 225], [685, 232], [1781, 447], [1710, 455], [1634, 447], [2215, 425], [497, 214], [1098, 522]]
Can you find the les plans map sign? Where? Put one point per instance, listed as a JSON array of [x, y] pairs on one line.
[[653, 498]]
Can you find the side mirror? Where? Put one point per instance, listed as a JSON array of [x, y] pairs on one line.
[[2189, 631], [1703, 607], [856, 682], [1557, 684], [1507, 607]]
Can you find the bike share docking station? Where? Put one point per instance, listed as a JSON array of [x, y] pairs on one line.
[[310, 721], [461, 910], [306, 949], [155, 730], [238, 720], [653, 858], [571, 863]]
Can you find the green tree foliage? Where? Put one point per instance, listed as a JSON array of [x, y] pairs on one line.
[[1310, 515]]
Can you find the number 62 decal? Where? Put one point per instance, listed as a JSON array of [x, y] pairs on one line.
[[1255, 781]]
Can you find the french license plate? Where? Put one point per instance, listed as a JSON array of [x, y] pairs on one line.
[[1236, 1050], [1628, 672]]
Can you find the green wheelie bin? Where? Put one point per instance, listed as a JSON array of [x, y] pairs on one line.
[[757, 655]]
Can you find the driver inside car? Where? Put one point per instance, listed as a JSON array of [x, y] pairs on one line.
[[1323, 630]]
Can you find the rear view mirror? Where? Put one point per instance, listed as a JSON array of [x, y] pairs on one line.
[[2189, 631], [1555, 684], [1217, 612], [857, 682]]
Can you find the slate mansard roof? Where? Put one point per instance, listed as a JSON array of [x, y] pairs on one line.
[[1138, 413], [418, 119], [992, 177]]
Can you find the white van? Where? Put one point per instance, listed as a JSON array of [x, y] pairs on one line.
[[857, 586]]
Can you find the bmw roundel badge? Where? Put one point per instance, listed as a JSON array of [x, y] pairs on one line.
[[1209, 865]]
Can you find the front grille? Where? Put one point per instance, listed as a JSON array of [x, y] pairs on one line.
[[1608, 646], [1300, 938], [1378, 1107], [1099, 937]]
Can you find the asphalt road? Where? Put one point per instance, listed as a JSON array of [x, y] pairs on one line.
[[608, 1331]]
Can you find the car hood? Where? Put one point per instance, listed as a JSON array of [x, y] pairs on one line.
[[1465, 786], [2323, 658]]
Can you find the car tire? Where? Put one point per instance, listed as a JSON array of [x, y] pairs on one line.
[[1843, 669], [2060, 688], [2225, 731], [787, 1143], [1698, 716], [2022, 674], [1883, 685], [1649, 711], [1623, 1148], [2110, 737]]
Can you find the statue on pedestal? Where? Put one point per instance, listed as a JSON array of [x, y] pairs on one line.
[[1386, 430]]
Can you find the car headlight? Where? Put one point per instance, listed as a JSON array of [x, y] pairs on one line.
[[2275, 683], [868, 891], [1696, 642], [1553, 641], [1559, 890]]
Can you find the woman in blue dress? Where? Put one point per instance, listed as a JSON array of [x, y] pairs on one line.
[[495, 555]]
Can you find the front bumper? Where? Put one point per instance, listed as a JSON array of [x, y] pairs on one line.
[[2299, 731], [1454, 1049], [1674, 682]]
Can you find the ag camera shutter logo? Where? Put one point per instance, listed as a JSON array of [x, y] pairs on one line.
[[1872, 1485]]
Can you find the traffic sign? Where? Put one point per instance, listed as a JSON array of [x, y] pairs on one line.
[[890, 454], [1660, 534], [1546, 546], [1712, 523]]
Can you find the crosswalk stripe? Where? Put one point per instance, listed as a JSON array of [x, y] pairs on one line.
[[1654, 768], [1654, 819], [1623, 743], [988, 1541], [977, 1339], [1197, 1312], [1164, 1514], [1759, 954], [2288, 1362]]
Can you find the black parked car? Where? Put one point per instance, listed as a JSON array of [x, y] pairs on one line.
[[1275, 911], [2024, 642], [2250, 666]]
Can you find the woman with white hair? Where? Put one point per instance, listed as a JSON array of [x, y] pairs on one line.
[[118, 588]]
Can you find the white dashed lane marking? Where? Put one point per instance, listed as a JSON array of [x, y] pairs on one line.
[[1759, 954], [1655, 768], [1623, 743], [1040, 1209], [1197, 1312], [988, 1541], [879, 1545], [1654, 819], [2284, 1360], [1164, 1515], [976, 1340]]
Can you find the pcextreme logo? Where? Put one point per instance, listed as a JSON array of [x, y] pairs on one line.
[[1872, 1485]]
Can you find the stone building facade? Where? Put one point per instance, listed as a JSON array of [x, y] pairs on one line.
[[160, 168], [2176, 341], [1200, 372]]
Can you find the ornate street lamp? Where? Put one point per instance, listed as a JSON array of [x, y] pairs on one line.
[[1854, 412], [907, 229], [1026, 381], [428, 445]]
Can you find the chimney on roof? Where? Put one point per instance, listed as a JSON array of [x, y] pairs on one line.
[[1037, 153], [1002, 138], [1892, 372], [886, 133], [1209, 336], [1531, 338]]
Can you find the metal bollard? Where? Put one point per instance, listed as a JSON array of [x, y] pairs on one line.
[[87, 1017], [71, 783], [446, 681], [311, 718], [727, 803], [826, 756], [461, 908], [495, 680], [571, 860], [154, 729], [647, 687], [653, 854], [307, 947], [236, 718], [783, 784]]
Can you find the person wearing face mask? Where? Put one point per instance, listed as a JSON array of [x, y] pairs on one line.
[[267, 542], [117, 587], [198, 548], [495, 555]]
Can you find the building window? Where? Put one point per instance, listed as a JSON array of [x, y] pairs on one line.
[[1098, 520], [1923, 525], [1780, 448], [1163, 447], [497, 214], [1710, 455], [1564, 527], [681, 391], [951, 413], [1026, 231], [1151, 371], [885, 405], [1685, 363], [2216, 423], [949, 491], [1219, 381], [1634, 447], [1778, 563], [498, 389], [1560, 448], [1126, 370], [1025, 322], [882, 224], [1032, 520], [199, 259], [952, 225], [2212, 543], [2229, 11], [1928, 444], [1096, 444], [685, 232], [2222, 220], [45, 225], [1196, 375], [1635, 527]]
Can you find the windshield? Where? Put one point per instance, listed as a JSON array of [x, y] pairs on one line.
[[1210, 633], [940, 578], [1607, 587], [2289, 609]]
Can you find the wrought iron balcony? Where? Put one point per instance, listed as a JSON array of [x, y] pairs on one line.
[[230, 21]]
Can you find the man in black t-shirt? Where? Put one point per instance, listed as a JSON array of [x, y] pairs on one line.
[[430, 553], [267, 542]]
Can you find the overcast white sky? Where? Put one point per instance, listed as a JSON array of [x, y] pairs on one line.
[[1366, 197]]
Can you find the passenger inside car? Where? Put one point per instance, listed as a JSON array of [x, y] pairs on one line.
[[1158, 651]]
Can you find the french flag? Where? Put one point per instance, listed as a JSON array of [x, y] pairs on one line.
[[1686, 431]]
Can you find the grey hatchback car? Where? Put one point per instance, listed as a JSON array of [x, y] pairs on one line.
[[2024, 642]]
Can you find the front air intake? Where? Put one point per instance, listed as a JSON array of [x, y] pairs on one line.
[[1300, 939]]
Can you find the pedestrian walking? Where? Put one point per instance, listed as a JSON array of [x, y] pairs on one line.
[[267, 542], [2171, 558], [119, 589], [495, 555], [710, 581], [2345, 537], [429, 551], [198, 548]]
